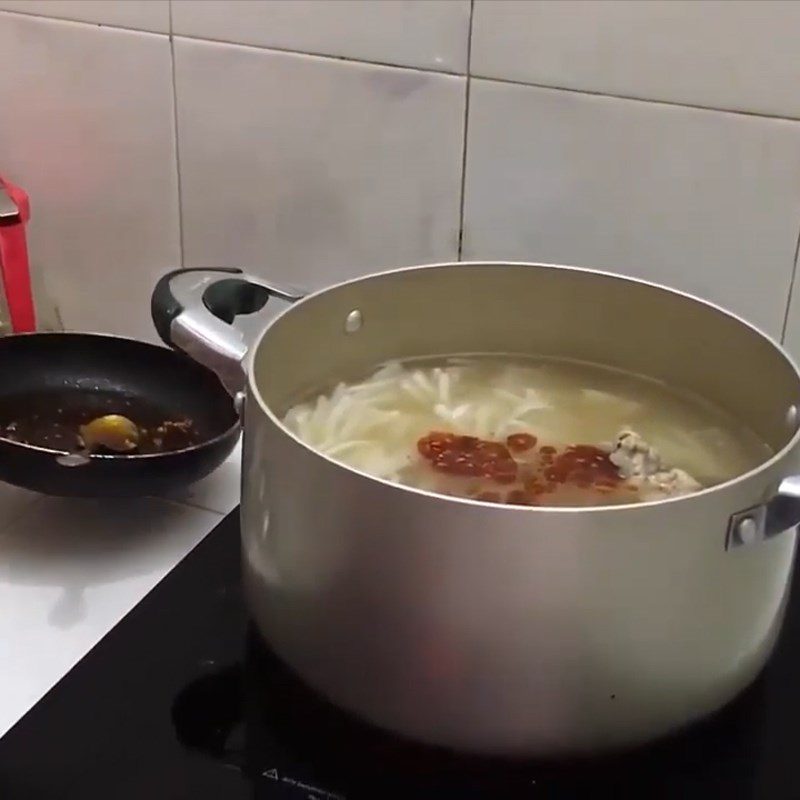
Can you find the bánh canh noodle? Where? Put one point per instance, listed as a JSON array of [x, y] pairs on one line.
[[526, 431]]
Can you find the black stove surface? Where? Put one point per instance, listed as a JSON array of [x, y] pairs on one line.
[[181, 700]]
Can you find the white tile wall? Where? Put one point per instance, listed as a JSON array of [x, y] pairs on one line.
[[714, 53], [146, 15], [310, 170], [705, 201], [430, 34], [87, 128]]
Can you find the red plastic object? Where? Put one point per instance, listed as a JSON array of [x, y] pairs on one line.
[[14, 264]]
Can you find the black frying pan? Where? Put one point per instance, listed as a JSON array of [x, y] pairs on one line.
[[50, 383]]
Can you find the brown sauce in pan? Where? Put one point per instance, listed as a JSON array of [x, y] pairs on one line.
[[52, 420]]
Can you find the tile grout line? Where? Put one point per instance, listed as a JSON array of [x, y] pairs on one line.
[[462, 199], [49, 18], [507, 81], [426, 70], [791, 290], [632, 99], [324, 56], [177, 138]]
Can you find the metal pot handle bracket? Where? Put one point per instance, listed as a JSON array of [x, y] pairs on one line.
[[193, 310], [758, 523]]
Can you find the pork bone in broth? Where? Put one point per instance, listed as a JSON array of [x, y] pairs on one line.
[[526, 431]]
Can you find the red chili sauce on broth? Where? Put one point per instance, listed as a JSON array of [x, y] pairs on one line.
[[516, 472]]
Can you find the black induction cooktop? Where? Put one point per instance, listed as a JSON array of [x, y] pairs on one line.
[[182, 700]]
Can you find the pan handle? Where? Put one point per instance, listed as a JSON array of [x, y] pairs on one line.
[[194, 310], [779, 514]]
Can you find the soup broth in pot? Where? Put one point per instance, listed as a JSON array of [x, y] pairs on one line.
[[526, 431]]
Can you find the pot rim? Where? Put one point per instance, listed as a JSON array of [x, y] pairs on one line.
[[763, 467]]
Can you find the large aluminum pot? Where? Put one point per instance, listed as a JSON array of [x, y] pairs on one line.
[[492, 629]]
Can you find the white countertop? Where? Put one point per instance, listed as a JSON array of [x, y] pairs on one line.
[[70, 569]]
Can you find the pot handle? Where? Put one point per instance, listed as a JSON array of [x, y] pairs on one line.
[[193, 310], [779, 514]]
